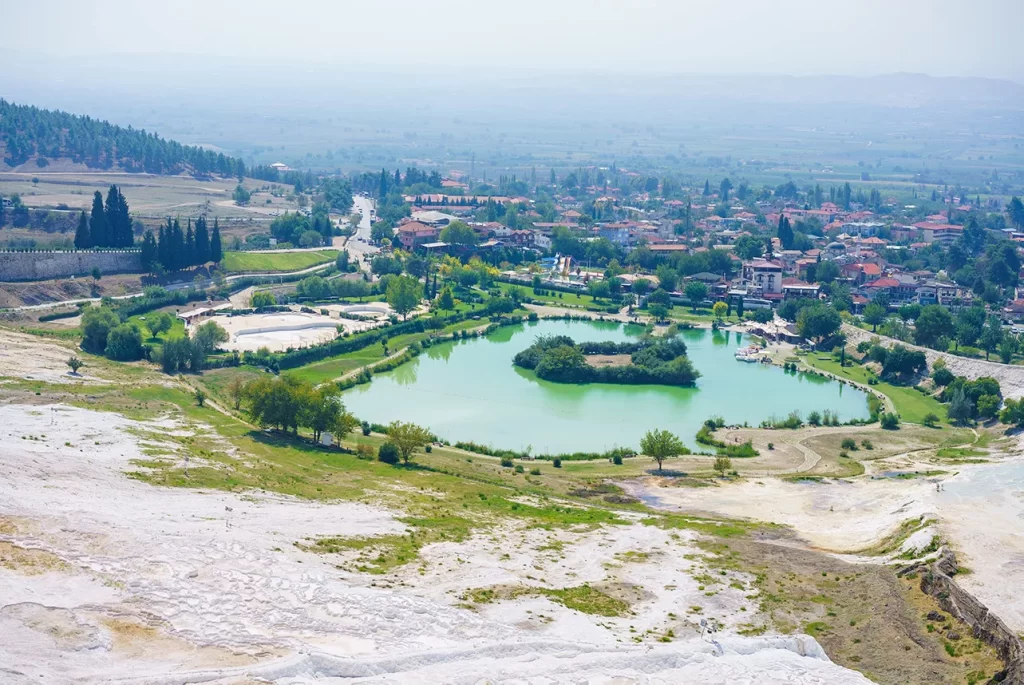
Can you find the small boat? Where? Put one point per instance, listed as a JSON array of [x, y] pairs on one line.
[[750, 353]]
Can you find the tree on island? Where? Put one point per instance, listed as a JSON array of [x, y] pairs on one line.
[[661, 445]]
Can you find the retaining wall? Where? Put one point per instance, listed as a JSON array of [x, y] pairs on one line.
[[43, 265]]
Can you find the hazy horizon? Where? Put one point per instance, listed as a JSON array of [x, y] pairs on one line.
[[939, 38]]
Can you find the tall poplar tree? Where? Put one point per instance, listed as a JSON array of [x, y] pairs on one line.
[[99, 228], [202, 241], [190, 245], [82, 239], [216, 254]]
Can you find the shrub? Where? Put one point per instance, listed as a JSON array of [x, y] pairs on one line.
[[428, 448], [889, 421], [930, 419], [771, 446], [849, 444], [617, 460], [388, 453], [844, 454], [867, 444], [557, 463], [814, 418], [366, 427], [506, 462], [534, 471], [364, 451], [519, 468]]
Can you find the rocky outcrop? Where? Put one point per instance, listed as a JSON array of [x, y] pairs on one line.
[[937, 581]]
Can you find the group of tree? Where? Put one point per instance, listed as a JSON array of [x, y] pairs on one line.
[[108, 225], [560, 359], [173, 249], [287, 403], [295, 228], [184, 353]]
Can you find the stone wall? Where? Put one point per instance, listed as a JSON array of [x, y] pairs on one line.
[[40, 265]]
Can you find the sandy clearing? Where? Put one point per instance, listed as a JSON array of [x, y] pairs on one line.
[[163, 585], [979, 512], [28, 357]]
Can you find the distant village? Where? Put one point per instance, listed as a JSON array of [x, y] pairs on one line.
[[775, 245]]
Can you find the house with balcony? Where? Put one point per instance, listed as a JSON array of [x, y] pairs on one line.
[[763, 278], [413, 234]]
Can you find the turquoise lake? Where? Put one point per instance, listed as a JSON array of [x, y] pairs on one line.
[[469, 390]]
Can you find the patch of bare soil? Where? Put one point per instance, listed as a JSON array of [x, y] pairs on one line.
[[58, 290], [600, 360], [864, 616]]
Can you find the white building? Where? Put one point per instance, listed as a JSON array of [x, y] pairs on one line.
[[764, 276]]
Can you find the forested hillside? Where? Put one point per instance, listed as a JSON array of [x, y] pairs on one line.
[[26, 131]]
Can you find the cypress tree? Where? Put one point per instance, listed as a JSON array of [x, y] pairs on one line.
[[215, 249], [118, 219], [99, 228], [163, 246], [82, 239], [202, 241], [190, 245], [177, 248], [149, 251]]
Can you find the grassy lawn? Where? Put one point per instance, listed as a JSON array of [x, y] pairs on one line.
[[558, 298], [911, 405], [234, 262]]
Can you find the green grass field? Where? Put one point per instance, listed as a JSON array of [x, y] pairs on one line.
[[329, 369], [911, 405], [236, 262]]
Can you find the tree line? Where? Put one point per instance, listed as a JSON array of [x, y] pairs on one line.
[[49, 134], [173, 249]]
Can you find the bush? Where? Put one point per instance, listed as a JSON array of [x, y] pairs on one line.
[[534, 471], [364, 451], [617, 460], [506, 462], [771, 446], [844, 454], [889, 421], [366, 427], [930, 420], [867, 444], [519, 468], [388, 453], [557, 463], [849, 444], [428, 449], [814, 418]]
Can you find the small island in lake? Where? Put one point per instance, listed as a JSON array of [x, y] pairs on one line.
[[652, 361]]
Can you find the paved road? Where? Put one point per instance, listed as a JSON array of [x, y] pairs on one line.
[[359, 245]]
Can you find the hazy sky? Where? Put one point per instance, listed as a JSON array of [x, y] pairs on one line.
[[859, 37]]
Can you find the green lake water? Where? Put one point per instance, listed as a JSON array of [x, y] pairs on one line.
[[469, 390]]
